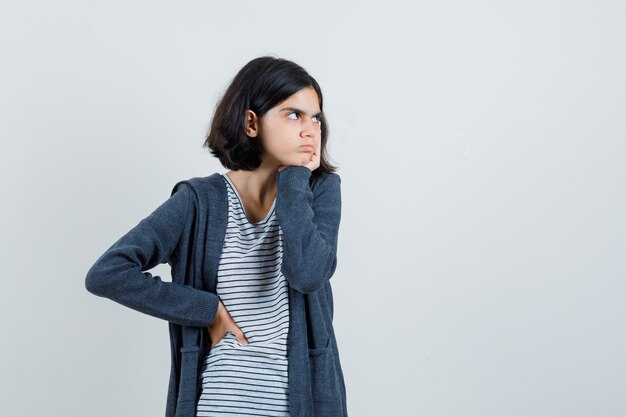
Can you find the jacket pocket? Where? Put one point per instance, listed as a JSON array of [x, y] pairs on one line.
[[323, 376]]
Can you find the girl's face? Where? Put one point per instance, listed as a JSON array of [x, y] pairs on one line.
[[290, 132]]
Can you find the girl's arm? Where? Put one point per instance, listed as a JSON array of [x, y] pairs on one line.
[[118, 273], [310, 227]]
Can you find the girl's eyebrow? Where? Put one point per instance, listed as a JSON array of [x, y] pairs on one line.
[[300, 111]]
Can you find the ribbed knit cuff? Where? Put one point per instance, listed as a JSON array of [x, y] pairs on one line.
[[293, 175], [207, 307]]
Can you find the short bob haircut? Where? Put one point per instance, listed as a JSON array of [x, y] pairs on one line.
[[260, 85]]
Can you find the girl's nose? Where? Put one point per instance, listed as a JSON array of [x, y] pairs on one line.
[[310, 127]]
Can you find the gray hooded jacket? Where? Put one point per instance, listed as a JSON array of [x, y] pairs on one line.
[[187, 231]]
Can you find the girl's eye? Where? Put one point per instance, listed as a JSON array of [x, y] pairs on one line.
[[318, 118]]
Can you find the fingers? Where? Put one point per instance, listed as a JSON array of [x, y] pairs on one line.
[[225, 323], [314, 162], [238, 333], [240, 336]]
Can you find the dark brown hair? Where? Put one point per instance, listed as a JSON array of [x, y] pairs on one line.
[[260, 85]]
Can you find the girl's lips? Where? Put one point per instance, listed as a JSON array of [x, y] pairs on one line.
[[309, 147]]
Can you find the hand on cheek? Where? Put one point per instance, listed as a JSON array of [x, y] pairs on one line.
[[312, 161], [309, 160]]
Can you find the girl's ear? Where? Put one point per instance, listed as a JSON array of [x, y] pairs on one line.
[[252, 124]]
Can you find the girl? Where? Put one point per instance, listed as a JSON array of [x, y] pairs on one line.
[[252, 251]]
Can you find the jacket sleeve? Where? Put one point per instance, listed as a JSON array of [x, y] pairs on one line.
[[310, 226], [119, 273]]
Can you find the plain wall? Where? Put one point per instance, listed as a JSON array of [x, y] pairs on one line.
[[482, 151]]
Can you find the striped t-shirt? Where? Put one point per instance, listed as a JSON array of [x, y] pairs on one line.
[[249, 380]]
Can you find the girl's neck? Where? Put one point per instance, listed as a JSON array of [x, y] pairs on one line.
[[258, 186]]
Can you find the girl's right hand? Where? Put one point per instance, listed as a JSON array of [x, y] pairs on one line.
[[223, 324]]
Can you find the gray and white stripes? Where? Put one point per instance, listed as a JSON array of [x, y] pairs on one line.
[[249, 380]]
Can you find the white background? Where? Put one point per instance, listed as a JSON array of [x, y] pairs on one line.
[[482, 151]]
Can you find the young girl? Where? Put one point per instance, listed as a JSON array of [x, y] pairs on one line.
[[252, 251]]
